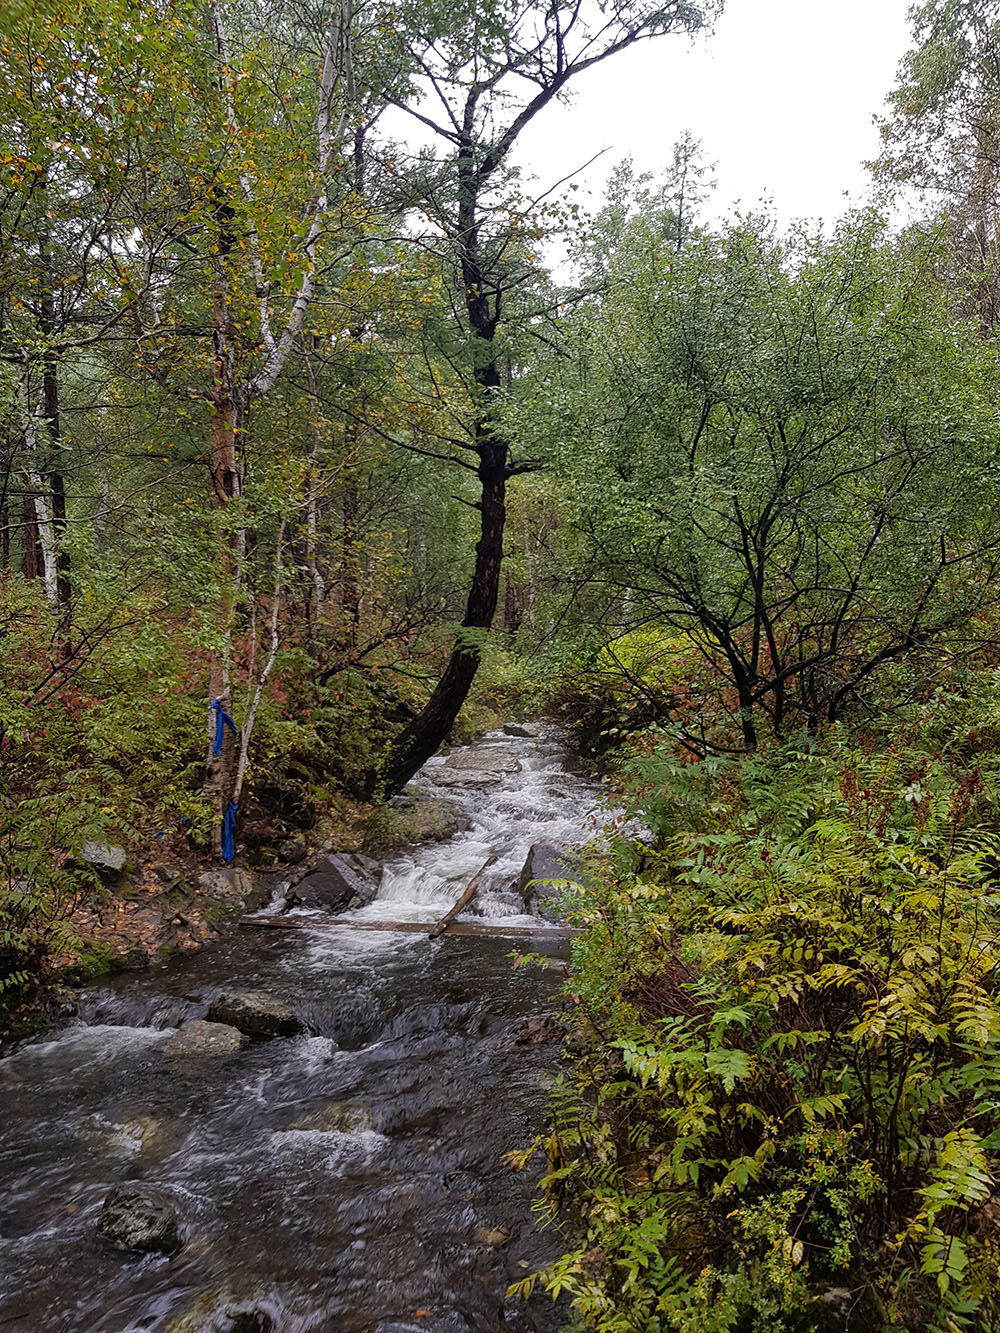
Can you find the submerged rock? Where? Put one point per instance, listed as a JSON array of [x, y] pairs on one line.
[[255, 1013], [125, 1139], [494, 1237], [333, 883], [225, 1312], [335, 1118], [139, 1217], [198, 1038]]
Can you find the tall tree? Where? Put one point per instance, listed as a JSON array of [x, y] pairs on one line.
[[481, 74]]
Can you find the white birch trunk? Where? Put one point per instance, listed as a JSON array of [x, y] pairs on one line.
[[45, 539]]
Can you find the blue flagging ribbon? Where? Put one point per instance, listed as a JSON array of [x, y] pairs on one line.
[[222, 720], [229, 832]]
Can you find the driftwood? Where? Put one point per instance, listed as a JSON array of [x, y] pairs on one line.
[[466, 898], [479, 929]]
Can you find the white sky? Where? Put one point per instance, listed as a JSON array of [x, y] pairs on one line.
[[783, 97]]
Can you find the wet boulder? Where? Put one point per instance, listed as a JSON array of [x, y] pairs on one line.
[[520, 729], [544, 863], [476, 766], [199, 1038], [139, 1217], [334, 884], [432, 819], [255, 1013]]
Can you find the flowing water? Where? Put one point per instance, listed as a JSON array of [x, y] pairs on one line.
[[349, 1180]]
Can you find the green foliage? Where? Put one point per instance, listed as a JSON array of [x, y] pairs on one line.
[[798, 1074], [779, 449], [41, 880], [622, 686]]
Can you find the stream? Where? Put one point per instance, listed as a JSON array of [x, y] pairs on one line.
[[350, 1179]]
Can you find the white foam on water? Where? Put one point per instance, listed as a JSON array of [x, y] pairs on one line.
[[103, 1042], [334, 1146], [521, 795]]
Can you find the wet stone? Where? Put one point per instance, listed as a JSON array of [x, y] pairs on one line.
[[543, 864], [332, 885], [255, 1013], [198, 1038], [428, 819], [520, 729], [139, 1217]]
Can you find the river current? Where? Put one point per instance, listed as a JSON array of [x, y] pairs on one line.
[[350, 1180]]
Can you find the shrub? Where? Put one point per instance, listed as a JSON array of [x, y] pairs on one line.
[[790, 1108]]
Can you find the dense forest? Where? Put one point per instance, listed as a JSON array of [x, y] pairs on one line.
[[327, 440]]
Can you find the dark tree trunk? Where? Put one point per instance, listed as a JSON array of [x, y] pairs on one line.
[[427, 731], [430, 729], [513, 607]]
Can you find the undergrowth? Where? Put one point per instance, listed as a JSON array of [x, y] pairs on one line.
[[788, 1118]]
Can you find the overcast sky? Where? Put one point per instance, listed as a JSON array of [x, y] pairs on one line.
[[782, 96]]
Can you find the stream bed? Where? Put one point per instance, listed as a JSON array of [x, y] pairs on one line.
[[349, 1179]]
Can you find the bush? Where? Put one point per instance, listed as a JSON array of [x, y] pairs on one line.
[[789, 1117]]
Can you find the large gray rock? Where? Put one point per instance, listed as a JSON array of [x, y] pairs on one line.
[[139, 1217], [104, 857], [543, 863], [199, 1038], [475, 766], [255, 1013], [334, 884], [484, 759], [520, 729], [433, 819]]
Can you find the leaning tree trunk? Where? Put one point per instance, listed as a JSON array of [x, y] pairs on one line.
[[426, 732]]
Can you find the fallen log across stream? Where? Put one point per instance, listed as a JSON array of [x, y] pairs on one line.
[[466, 898], [482, 929]]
